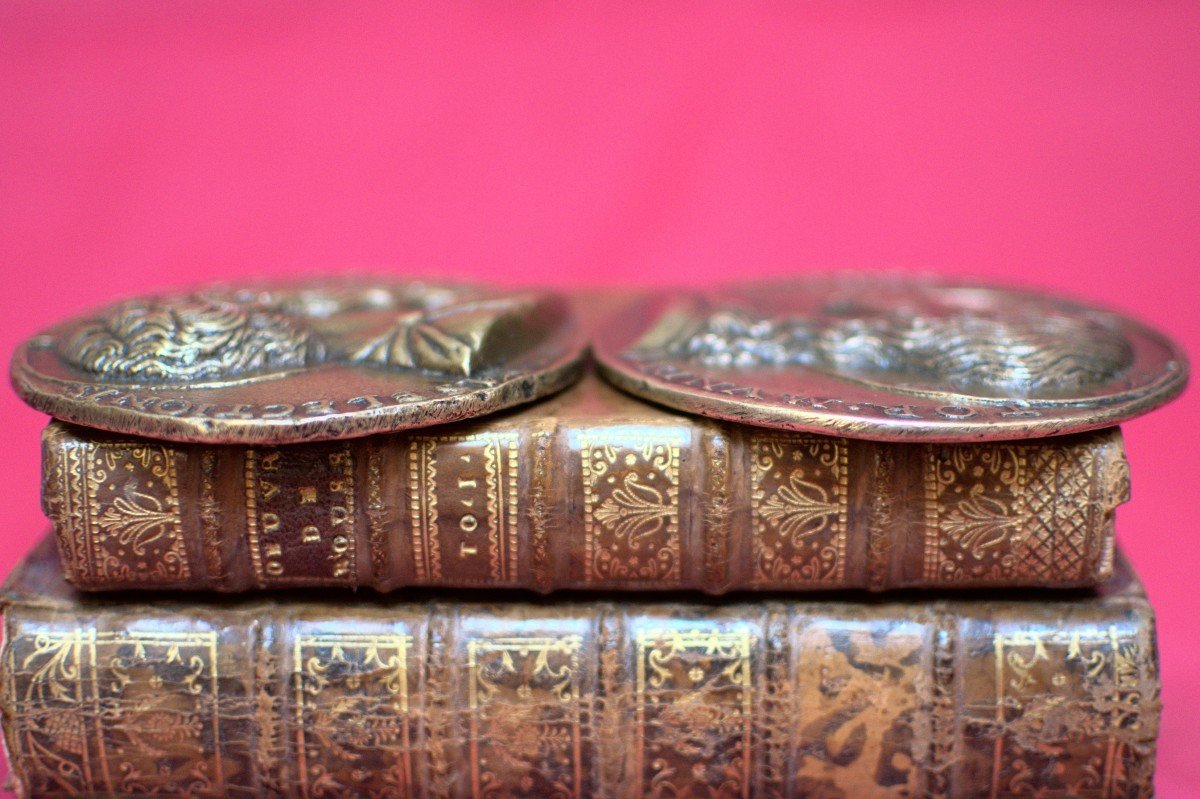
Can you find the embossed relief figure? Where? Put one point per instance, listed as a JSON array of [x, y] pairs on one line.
[[228, 335], [188, 338], [890, 357], [309, 361], [919, 341]]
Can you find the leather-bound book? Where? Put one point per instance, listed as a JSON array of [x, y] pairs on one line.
[[589, 489], [1055, 694]]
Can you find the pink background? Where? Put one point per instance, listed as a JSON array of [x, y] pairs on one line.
[[149, 145]]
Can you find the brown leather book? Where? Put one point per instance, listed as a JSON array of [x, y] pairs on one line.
[[1056, 695], [590, 489]]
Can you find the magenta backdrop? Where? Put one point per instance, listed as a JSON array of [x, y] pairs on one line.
[[149, 145]]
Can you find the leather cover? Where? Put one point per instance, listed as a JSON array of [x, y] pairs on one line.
[[1053, 695], [590, 489]]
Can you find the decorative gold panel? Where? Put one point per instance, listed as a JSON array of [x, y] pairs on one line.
[[1055, 694], [116, 508], [352, 716], [631, 505], [91, 713], [798, 501], [694, 712], [525, 717], [1007, 513], [464, 507]]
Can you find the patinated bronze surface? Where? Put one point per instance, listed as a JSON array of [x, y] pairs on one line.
[[301, 362], [891, 358]]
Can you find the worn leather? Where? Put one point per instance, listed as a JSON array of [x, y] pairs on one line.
[[329, 696], [591, 489]]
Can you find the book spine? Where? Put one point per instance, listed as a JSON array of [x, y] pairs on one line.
[[550, 505], [571, 701]]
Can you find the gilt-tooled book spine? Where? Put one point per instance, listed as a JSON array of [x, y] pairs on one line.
[[965, 698], [590, 489]]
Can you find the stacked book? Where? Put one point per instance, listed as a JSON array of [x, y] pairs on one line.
[[842, 536]]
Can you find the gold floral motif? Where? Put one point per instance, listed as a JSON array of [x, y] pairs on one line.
[[118, 713], [49, 718], [115, 509], [980, 523], [999, 513], [631, 505], [634, 512], [800, 508], [799, 496], [525, 705], [1100, 690], [131, 526], [136, 521], [1003, 514], [352, 723], [695, 714]]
